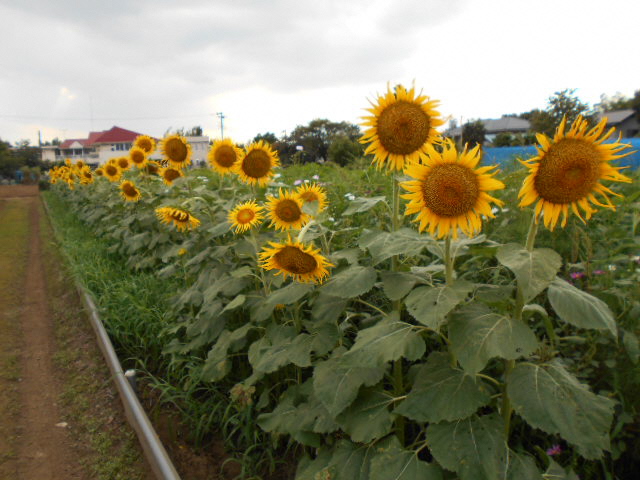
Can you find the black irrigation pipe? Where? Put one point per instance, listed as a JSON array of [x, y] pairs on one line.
[[154, 451]]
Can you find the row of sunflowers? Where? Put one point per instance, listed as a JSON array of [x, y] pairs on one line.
[[394, 352]]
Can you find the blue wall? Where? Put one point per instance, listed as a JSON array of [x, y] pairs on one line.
[[502, 155]]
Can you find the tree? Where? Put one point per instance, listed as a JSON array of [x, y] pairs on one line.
[[266, 137], [315, 139], [566, 103], [343, 150], [473, 133], [619, 102], [503, 139]]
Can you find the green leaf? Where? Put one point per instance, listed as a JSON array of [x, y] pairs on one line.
[[368, 417], [534, 270], [384, 245], [351, 282], [556, 472], [389, 340], [477, 334], [551, 399], [217, 364], [219, 230], [441, 392], [351, 255], [350, 461], [630, 342], [235, 303], [362, 204], [397, 284], [289, 294], [430, 305], [317, 468], [396, 463], [327, 308], [274, 350], [579, 308]]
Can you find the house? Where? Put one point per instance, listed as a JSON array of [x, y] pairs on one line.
[[625, 121], [494, 126]]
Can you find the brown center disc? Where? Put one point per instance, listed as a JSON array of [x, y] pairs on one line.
[[129, 190], [403, 128], [225, 156], [171, 174], [245, 216], [288, 211], [450, 190], [176, 150], [256, 164], [294, 260]]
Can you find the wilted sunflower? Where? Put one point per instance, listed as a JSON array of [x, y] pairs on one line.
[[223, 155], [285, 211], [146, 143], [401, 126], [138, 157], [129, 191], [312, 193], [182, 219], [245, 216], [256, 167], [449, 192], [170, 174], [303, 263], [568, 169], [177, 150], [112, 172], [123, 163]]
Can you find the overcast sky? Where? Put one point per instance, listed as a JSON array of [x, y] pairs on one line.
[[68, 67]]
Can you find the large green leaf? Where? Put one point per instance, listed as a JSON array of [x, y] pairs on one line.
[[327, 308], [384, 245], [397, 284], [392, 462], [289, 294], [362, 204], [368, 417], [551, 399], [430, 305], [389, 340], [217, 363], [534, 270], [351, 282], [579, 308], [477, 334], [351, 461], [441, 392]]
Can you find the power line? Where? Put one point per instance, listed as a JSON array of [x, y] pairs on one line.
[[85, 119]]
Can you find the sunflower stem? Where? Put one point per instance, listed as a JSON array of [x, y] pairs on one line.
[[449, 260], [304, 230]]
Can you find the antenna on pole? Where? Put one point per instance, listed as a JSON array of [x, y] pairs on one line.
[[221, 115]]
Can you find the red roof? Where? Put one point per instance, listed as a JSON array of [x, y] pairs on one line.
[[68, 143], [115, 135]]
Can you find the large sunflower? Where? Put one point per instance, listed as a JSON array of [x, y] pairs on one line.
[[112, 172], [245, 216], [568, 169], [176, 150], [312, 193], [449, 192], [223, 155], [303, 263], [400, 128], [256, 167], [146, 143], [138, 157], [170, 174], [182, 219], [129, 191], [285, 211]]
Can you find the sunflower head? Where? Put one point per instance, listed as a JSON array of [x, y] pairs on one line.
[[176, 150], [112, 172], [448, 192], [303, 263], [86, 176], [308, 193], [138, 157], [245, 216], [146, 143], [285, 211], [152, 167], [257, 164], [123, 163], [223, 156], [129, 191], [80, 164], [170, 174], [401, 126], [99, 172], [567, 171], [180, 218]]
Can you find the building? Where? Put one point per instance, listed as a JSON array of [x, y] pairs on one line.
[[494, 126], [625, 121]]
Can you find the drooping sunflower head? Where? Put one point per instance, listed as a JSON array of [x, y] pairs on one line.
[[304, 263], [146, 143], [310, 192], [256, 166], [223, 155], [152, 167], [245, 216], [176, 150], [180, 218], [170, 174], [112, 172], [123, 163], [138, 157], [129, 191], [568, 169], [285, 211], [402, 124], [448, 192]]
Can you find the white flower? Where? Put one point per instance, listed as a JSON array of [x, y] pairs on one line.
[[306, 181], [349, 196], [612, 268], [316, 177], [297, 182], [277, 175]]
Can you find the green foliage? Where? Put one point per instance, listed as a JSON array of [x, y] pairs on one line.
[[473, 133]]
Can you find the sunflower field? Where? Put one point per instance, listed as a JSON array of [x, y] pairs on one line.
[[432, 318]]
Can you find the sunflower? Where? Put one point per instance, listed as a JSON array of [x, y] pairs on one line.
[[123, 163], [80, 164], [312, 193], [285, 211], [112, 172], [138, 157], [223, 155], [568, 169], [145, 143], [256, 167], [129, 191], [152, 167], [170, 174], [182, 219], [177, 150], [99, 172], [245, 216], [303, 263], [449, 192], [400, 128], [86, 176]]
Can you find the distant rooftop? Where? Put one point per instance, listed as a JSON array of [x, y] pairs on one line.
[[617, 116]]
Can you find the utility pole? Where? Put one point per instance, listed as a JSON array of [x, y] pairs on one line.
[[221, 115]]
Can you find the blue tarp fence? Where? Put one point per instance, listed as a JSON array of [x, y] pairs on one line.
[[504, 156]]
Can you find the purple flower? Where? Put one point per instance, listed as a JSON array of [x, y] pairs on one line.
[[599, 272], [297, 182], [576, 275], [554, 450]]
